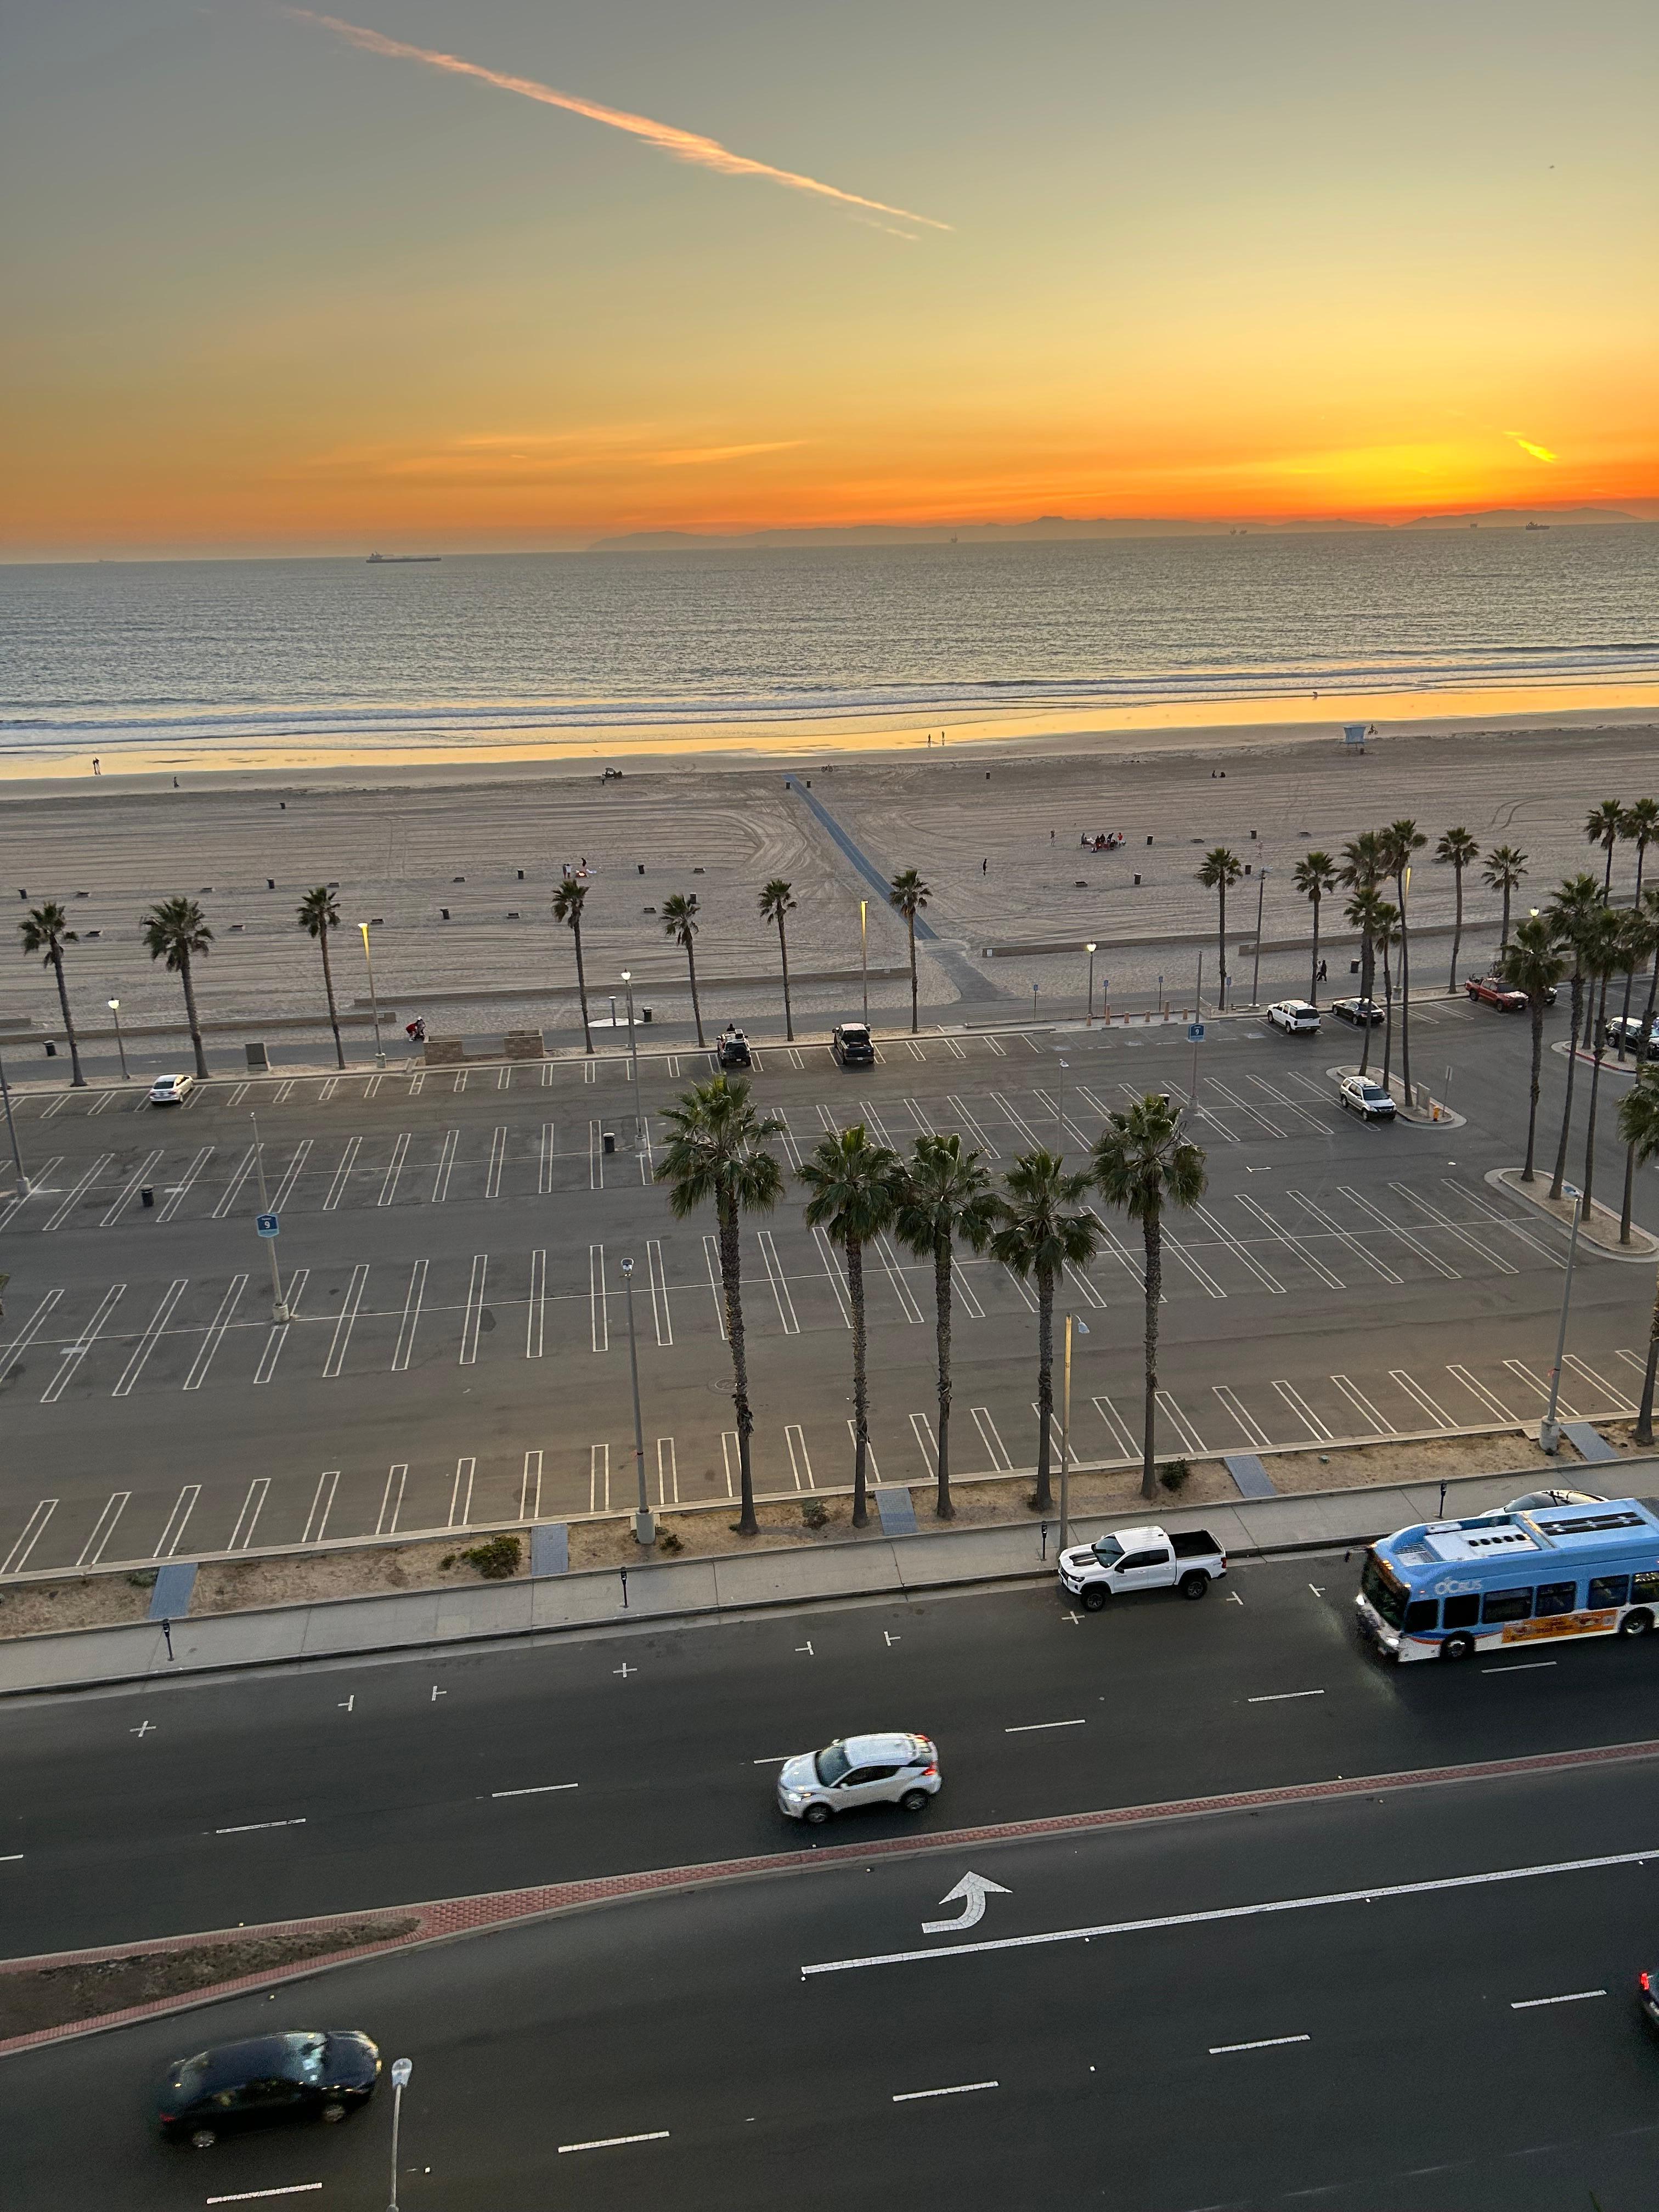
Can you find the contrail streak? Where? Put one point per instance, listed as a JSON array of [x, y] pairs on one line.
[[683, 145]]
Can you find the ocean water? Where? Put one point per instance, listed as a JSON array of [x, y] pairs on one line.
[[341, 654]]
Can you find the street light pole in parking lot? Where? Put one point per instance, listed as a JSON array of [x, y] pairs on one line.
[[1260, 896], [11, 1131], [1089, 1019], [115, 1008], [373, 1002], [1082, 1328], [645, 1523], [634, 1063], [278, 1309], [1549, 1429], [864, 954], [401, 2070]]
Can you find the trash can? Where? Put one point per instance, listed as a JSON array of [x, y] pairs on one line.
[[610, 1140], [147, 1196]]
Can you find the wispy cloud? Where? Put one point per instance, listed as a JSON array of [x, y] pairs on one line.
[[683, 145], [686, 457], [1538, 453]]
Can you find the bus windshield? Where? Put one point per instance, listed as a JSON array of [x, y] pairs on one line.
[[1386, 1592]]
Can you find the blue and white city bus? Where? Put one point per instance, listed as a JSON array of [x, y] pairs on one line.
[[1444, 1590]]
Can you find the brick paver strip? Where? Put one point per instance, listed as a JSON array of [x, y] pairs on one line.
[[451, 1916]]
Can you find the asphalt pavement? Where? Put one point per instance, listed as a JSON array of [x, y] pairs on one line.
[[1424, 1998], [450, 1246]]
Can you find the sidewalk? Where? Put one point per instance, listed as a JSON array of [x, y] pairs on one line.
[[691, 1589]]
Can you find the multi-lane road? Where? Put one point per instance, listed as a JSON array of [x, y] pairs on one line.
[[456, 1350]]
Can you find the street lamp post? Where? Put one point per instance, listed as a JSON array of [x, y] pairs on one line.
[[645, 1522], [1261, 896], [1549, 1429], [11, 1131], [1089, 1019], [1060, 1107], [278, 1309], [1082, 1328], [401, 2070], [634, 1064], [115, 1008], [374, 1000], [864, 954]]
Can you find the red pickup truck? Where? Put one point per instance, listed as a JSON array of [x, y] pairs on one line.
[[1492, 991]]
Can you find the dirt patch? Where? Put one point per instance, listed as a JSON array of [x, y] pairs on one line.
[[87, 1602], [1367, 1465], [57, 1997], [224, 1586]]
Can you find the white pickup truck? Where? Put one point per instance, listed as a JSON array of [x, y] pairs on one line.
[[1142, 1559]]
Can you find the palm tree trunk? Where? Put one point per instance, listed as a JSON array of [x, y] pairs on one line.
[[1537, 1084], [191, 1018], [1503, 941], [1560, 1175], [333, 1010], [1221, 949], [581, 985], [783, 955], [1644, 1412], [77, 1081], [731, 1289], [943, 1506], [1641, 1062], [696, 1009], [1153, 1230], [1630, 972], [1387, 1023], [1313, 972], [1596, 1085], [1405, 992], [860, 1382], [1043, 1497], [910, 923], [1458, 935], [1367, 985]]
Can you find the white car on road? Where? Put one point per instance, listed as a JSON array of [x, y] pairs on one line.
[[1295, 1017], [171, 1090], [900, 1769], [1360, 1094]]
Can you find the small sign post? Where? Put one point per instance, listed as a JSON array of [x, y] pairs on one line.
[[268, 1224]]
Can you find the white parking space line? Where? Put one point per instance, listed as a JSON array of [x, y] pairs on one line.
[[403, 1351], [215, 1334], [869, 1451], [504, 1076], [991, 1438], [668, 1473], [343, 1325], [322, 1504], [615, 2143], [1419, 1396], [278, 1337], [962, 1289], [544, 1161], [460, 1494], [1079, 1282], [43, 1175], [598, 1308], [142, 1175], [1282, 1098], [186, 1183], [1292, 1244], [1414, 1243], [178, 1521], [336, 1189], [1179, 1422], [1569, 1997], [1519, 1367], [874, 1122], [530, 1487], [1247, 1421], [712, 1261], [394, 1168], [56, 1107], [790, 1146], [104, 1528], [895, 1267], [1362, 1405], [445, 1162], [1480, 1391], [598, 1478], [391, 1499], [291, 1174], [994, 1047], [778, 1281], [1036, 1728], [1116, 1427], [801, 1460], [26, 1336], [102, 1105], [595, 1156], [833, 1269], [956, 2089], [239, 1175], [460, 1080], [1261, 2043], [1022, 1291], [417, 1082], [1479, 1201], [927, 1443], [662, 1315], [535, 1325], [924, 1124], [951, 1045], [147, 1341], [1333, 1227], [278, 1096], [1184, 1099], [72, 1198], [1303, 1412], [328, 1090], [241, 1536], [1444, 1221], [972, 1127], [473, 1317], [1240, 1252], [730, 1458], [34, 1529], [1245, 1106], [72, 1354], [536, 1789], [1015, 1120], [251, 2196], [1621, 1404]]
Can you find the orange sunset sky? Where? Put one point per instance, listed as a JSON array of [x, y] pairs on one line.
[[279, 282]]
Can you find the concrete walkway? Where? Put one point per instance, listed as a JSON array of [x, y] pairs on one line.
[[695, 1590]]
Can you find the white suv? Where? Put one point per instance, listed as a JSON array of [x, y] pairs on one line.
[[1294, 1016], [898, 1769], [1360, 1094]]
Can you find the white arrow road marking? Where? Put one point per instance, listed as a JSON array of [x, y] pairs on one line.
[[973, 1889]]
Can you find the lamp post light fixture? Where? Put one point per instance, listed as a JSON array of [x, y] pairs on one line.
[[1089, 1019], [11, 1131], [401, 2070], [634, 1065], [115, 1008], [374, 1000], [645, 1522]]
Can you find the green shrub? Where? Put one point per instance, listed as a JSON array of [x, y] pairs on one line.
[[1173, 1473], [669, 1542], [815, 1513], [496, 1559]]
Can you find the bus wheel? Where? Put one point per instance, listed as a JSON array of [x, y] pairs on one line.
[[1636, 1623], [1457, 1647]]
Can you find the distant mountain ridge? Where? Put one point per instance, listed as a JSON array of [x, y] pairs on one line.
[[1059, 527]]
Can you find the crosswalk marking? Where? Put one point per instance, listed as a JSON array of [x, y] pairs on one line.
[[779, 1282], [72, 1199], [336, 1189], [445, 1162], [473, 1319], [394, 1168], [322, 1504], [73, 1354], [535, 1327], [103, 1528], [342, 1327], [215, 1336], [279, 1336], [139, 1175], [403, 1351], [147, 1341], [34, 1529], [598, 1309]]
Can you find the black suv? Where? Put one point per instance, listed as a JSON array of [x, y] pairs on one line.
[[850, 1045]]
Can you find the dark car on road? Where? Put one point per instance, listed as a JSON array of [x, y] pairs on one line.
[[313, 2073], [851, 1045], [1362, 1012]]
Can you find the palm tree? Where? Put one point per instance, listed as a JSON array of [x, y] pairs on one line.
[[1604, 825], [1385, 933], [1639, 828], [774, 903], [318, 912], [1571, 912], [854, 1186], [1142, 1163], [1315, 874], [175, 933], [1506, 865], [1364, 912], [567, 902], [1218, 871], [909, 895], [1457, 850], [45, 929], [944, 1193], [1399, 841], [679, 921], [1606, 937], [1638, 1125], [1648, 913], [1040, 1234], [1534, 963], [713, 1154]]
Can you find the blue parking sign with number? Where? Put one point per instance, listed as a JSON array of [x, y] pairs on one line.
[[266, 1223], [1194, 1032]]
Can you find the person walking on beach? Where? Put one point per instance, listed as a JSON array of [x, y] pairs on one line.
[[985, 867]]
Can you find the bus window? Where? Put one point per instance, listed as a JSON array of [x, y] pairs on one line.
[[1507, 1605], [1462, 1611], [1556, 1597], [1644, 1588], [1610, 1589], [1424, 1614]]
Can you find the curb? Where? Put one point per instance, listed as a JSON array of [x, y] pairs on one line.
[[449, 1920]]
